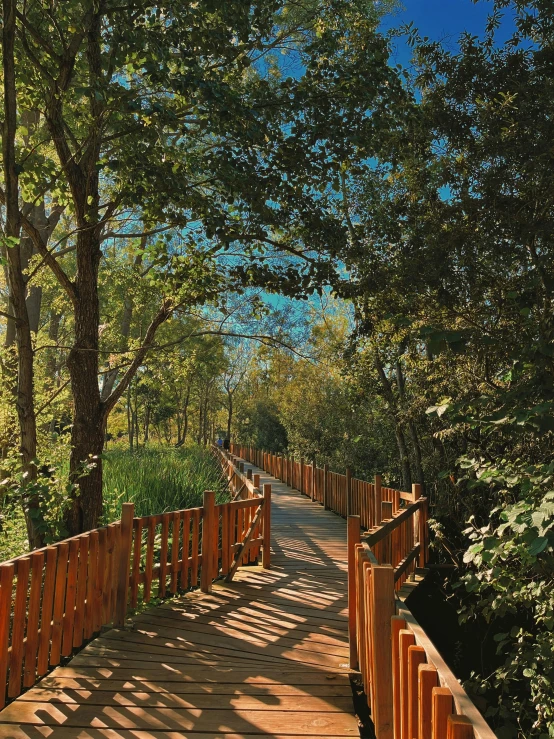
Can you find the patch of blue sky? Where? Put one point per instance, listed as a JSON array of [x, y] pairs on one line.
[[444, 21]]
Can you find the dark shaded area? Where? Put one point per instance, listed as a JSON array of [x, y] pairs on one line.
[[361, 709], [467, 647]]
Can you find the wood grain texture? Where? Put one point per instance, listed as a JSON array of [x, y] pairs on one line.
[[265, 655]]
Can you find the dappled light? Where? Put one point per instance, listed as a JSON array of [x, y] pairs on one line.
[[264, 655]]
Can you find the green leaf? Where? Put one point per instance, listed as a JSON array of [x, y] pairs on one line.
[[538, 546]]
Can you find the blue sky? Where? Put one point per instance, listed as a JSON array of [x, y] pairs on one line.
[[444, 20]]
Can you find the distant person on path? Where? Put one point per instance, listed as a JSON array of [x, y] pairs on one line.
[[220, 442], [226, 444]]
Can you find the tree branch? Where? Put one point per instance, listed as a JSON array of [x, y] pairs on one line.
[[162, 315]]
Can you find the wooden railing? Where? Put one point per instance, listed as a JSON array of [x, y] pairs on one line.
[[396, 520], [411, 692], [55, 599]]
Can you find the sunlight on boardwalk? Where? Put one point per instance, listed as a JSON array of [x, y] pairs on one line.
[[266, 655]]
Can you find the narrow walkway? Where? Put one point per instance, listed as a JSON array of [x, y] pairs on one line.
[[266, 655]]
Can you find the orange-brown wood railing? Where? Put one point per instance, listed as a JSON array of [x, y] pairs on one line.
[[411, 692], [55, 599], [396, 520]]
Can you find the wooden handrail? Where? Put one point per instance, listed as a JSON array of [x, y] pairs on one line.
[[55, 599], [397, 535], [343, 494], [409, 688]]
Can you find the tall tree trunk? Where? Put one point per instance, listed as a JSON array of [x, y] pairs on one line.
[[388, 394], [87, 436], [412, 430], [16, 281], [229, 413]]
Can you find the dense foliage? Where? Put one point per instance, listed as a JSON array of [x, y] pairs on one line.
[[168, 171]]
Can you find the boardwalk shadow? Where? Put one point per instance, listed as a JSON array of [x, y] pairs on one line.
[[263, 656]]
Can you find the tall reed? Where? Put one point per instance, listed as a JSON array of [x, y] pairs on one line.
[[159, 479]]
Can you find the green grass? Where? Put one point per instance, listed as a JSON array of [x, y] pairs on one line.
[[13, 535], [158, 480]]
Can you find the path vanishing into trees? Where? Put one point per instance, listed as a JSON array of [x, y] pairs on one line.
[[284, 603], [264, 655]]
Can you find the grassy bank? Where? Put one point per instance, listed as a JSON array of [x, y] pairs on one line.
[[158, 479]]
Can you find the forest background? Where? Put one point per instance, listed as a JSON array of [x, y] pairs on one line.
[[249, 218]]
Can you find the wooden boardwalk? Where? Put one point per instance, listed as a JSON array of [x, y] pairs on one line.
[[266, 655]]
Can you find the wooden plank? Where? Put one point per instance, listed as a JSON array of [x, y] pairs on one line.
[[185, 551], [175, 536], [459, 727], [406, 640], [11, 731], [338, 686], [6, 586], [443, 705], [99, 580], [208, 519], [428, 679], [138, 525], [416, 658], [59, 601], [46, 611], [33, 619], [18, 627], [298, 722], [151, 528], [163, 555], [88, 630], [82, 582], [353, 540], [123, 563], [195, 547], [70, 595], [198, 700], [397, 625]]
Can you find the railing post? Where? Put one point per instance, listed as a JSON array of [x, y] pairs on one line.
[[301, 481], [424, 532], [325, 486], [127, 515], [266, 553], [418, 518], [353, 538], [378, 499], [208, 519], [397, 625], [249, 473], [313, 481], [382, 611], [386, 544], [256, 480], [349, 511]]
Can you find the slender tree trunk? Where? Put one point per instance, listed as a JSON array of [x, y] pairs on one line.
[[412, 430], [125, 330], [16, 281], [129, 419], [186, 414], [147, 414], [229, 413], [398, 430]]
